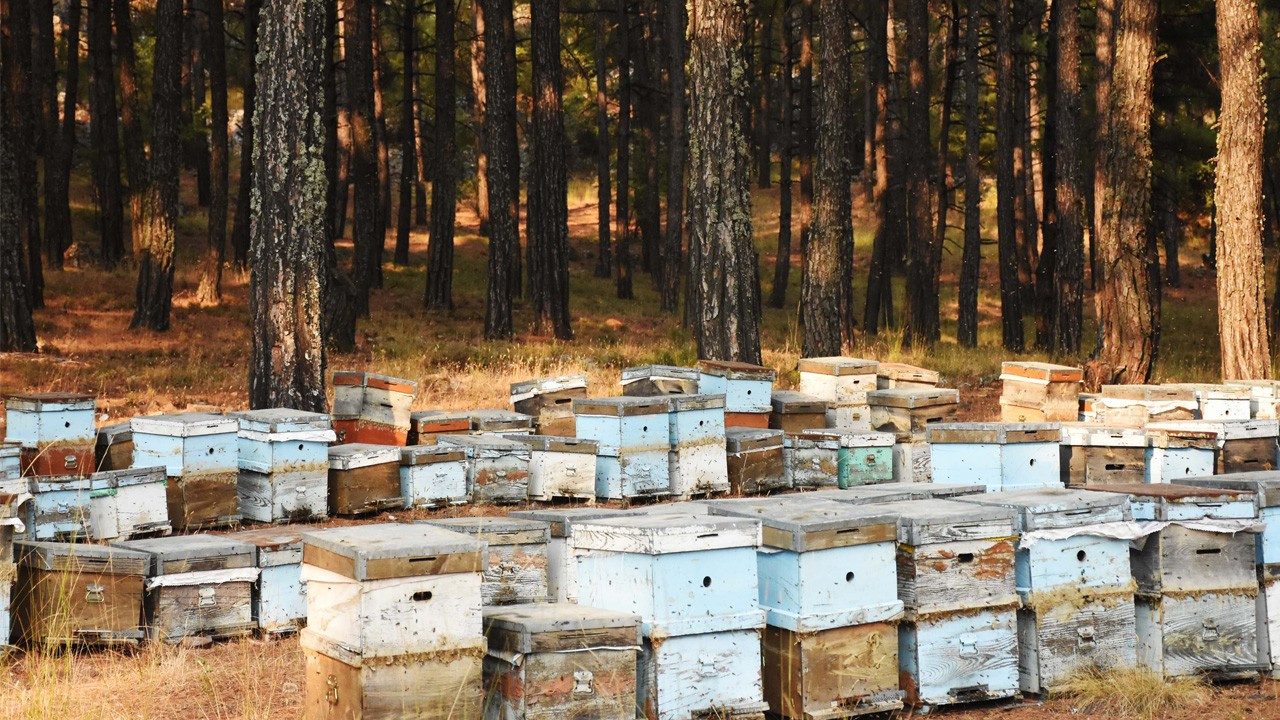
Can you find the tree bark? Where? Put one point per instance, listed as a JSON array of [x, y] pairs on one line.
[[339, 309], [943, 193], [195, 144], [444, 185], [1047, 263], [673, 265], [290, 221], [479, 97], [1007, 189], [806, 122], [721, 254], [57, 209], [131, 110], [971, 258], [645, 87], [622, 216], [380, 143], [104, 134], [160, 207], [24, 106], [504, 177], [782, 263], [764, 116], [368, 231], [421, 216], [408, 148], [922, 316], [1172, 230], [240, 227], [210, 290], [878, 274], [1070, 189], [604, 195], [1237, 196], [17, 329]]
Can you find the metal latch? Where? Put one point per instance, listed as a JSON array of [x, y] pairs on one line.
[[968, 645], [208, 596], [1209, 631], [71, 462], [94, 593], [1084, 638], [583, 682], [331, 693], [706, 667]]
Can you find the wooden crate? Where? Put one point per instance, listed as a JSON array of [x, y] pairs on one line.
[[203, 500], [1248, 446], [897, 492], [746, 388], [1204, 634], [911, 410], [853, 417], [372, 408], [634, 435], [757, 420], [342, 685], [516, 569], [114, 447], [946, 659], [197, 586], [1079, 632], [836, 673], [796, 412], [1093, 454], [550, 402], [1137, 405], [55, 429], [497, 467], [891, 375], [500, 422], [656, 380], [697, 461], [69, 594], [562, 554], [1175, 452], [560, 661], [353, 429], [1039, 392], [284, 465], [754, 461], [389, 590], [838, 380], [866, 458], [364, 478], [1264, 397], [561, 467], [129, 503], [425, 426], [434, 476], [1001, 456], [1220, 402], [912, 461], [695, 677], [280, 596], [811, 461], [1173, 502]]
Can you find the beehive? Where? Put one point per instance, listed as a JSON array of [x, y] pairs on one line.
[[634, 436], [516, 561], [200, 457], [843, 383], [1176, 450], [796, 412], [364, 478], [55, 430], [129, 503], [746, 387], [1093, 454], [284, 465], [1219, 402], [754, 461], [1001, 456], [892, 375], [1039, 392], [371, 408], [561, 467], [656, 380], [497, 467], [911, 410], [550, 402], [697, 460], [1264, 397], [1137, 405], [280, 596], [811, 461], [11, 481], [60, 507], [426, 426], [68, 594], [114, 447], [562, 554], [433, 475], [197, 586], [863, 458], [560, 661], [500, 422], [912, 460]]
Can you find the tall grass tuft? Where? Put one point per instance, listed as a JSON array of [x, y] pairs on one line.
[[1134, 693]]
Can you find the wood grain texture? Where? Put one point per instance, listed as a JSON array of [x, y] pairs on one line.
[[964, 575], [1211, 633], [365, 490], [214, 610], [1056, 642], [599, 684], [842, 672], [446, 686], [55, 607]]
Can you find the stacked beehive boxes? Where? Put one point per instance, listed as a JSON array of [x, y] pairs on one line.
[[697, 460], [560, 661], [561, 468], [129, 503], [55, 430], [634, 437], [11, 511], [370, 408], [843, 383], [434, 476], [516, 561], [747, 390], [284, 465], [1264, 397], [1137, 405], [908, 413], [1219, 402], [114, 447], [279, 596], [426, 426], [892, 375], [754, 461], [862, 458], [1001, 456], [60, 507], [393, 623], [1248, 446], [364, 478], [1098, 454], [497, 467], [562, 553], [657, 380], [1039, 392], [811, 460], [70, 594], [796, 412], [1074, 582], [828, 585], [550, 402], [693, 582], [198, 452], [1180, 449], [500, 422]]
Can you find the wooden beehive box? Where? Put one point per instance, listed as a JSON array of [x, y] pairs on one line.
[[754, 461], [796, 412], [1093, 454], [841, 672], [73, 593], [11, 481], [1248, 446], [1178, 449], [426, 426], [197, 586], [1039, 392], [60, 507], [371, 408], [746, 387], [497, 467], [1001, 456], [55, 430], [655, 380], [129, 503], [560, 661], [865, 458], [840, 381], [114, 448], [284, 465], [549, 401], [561, 467], [280, 596], [1219, 402], [697, 460], [811, 461], [891, 375], [516, 569], [911, 410], [714, 675], [434, 476], [201, 459], [634, 435], [912, 460], [500, 422], [364, 478], [1137, 405], [1172, 502], [562, 554], [1264, 397]]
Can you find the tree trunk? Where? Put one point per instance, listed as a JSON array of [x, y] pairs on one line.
[[1128, 318], [368, 231], [408, 149], [644, 87], [1007, 189], [444, 185], [878, 274], [1172, 230], [290, 222], [380, 142], [722, 253], [1237, 196], [1068, 173], [240, 228], [622, 216], [504, 177], [943, 194], [1104, 60], [131, 110], [479, 95], [806, 122], [782, 263], [515, 276], [1047, 263], [338, 312], [24, 105], [17, 329], [764, 115], [971, 258], [57, 212], [104, 134], [672, 264], [45, 76], [604, 196], [922, 316], [210, 291], [194, 140], [421, 217], [823, 298], [160, 207]]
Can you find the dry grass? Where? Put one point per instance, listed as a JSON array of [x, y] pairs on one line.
[[1135, 694]]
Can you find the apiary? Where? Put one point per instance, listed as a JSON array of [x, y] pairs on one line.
[[911, 410], [497, 467], [279, 596], [426, 426], [1001, 456], [1137, 405], [199, 453], [697, 459], [74, 593], [500, 422], [1039, 392], [1094, 454], [433, 476], [796, 412], [371, 408], [754, 461], [562, 554], [114, 447], [657, 380], [364, 478], [516, 562], [1219, 402], [128, 503], [634, 436], [197, 586], [561, 468], [284, 465], [1180, 449], [560, 661], [893, 375], [843, 383], [55, 431], [550, 402]]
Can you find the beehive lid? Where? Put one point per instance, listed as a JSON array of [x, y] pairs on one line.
[[685, 403], [188, 553], [1042, 372], [811, 439], [1224, 429], [80, 557], [1095, 435], [735, 370], [113, 434], [484, 442], [373, 380], [282, 420], [357, 455], [933, 520], [850, 439], [64, 483], [555, 627], [189, 424], [1043, 508], [557, 443], [912, 398], [998, 433], [737, 439], [1268, 389], [131, 476], [1211, 391], [1265, 484], [274, 537], [1148, 393], [660, 534], [496, 419], [1179, 433], [663, 372], [10, 450], [625, 406], [801, 524], [903, 372], [431, 454], [542, 386], [426, 419], [916, 491], [562, 518], [790, 402], [498, 530], [391, 550], [838, 365], [1169, 493], [49, 401]]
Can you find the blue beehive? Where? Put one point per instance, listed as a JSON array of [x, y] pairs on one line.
[[1001, 456], [562, 554], [55, 430], [634, 436], [60, 507], [746, 388], [186, 443], [11, 469], [433, 475], [280, 596], [1176, 451], [497, 467], [864, 458], [698, 463], [284, 465]]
